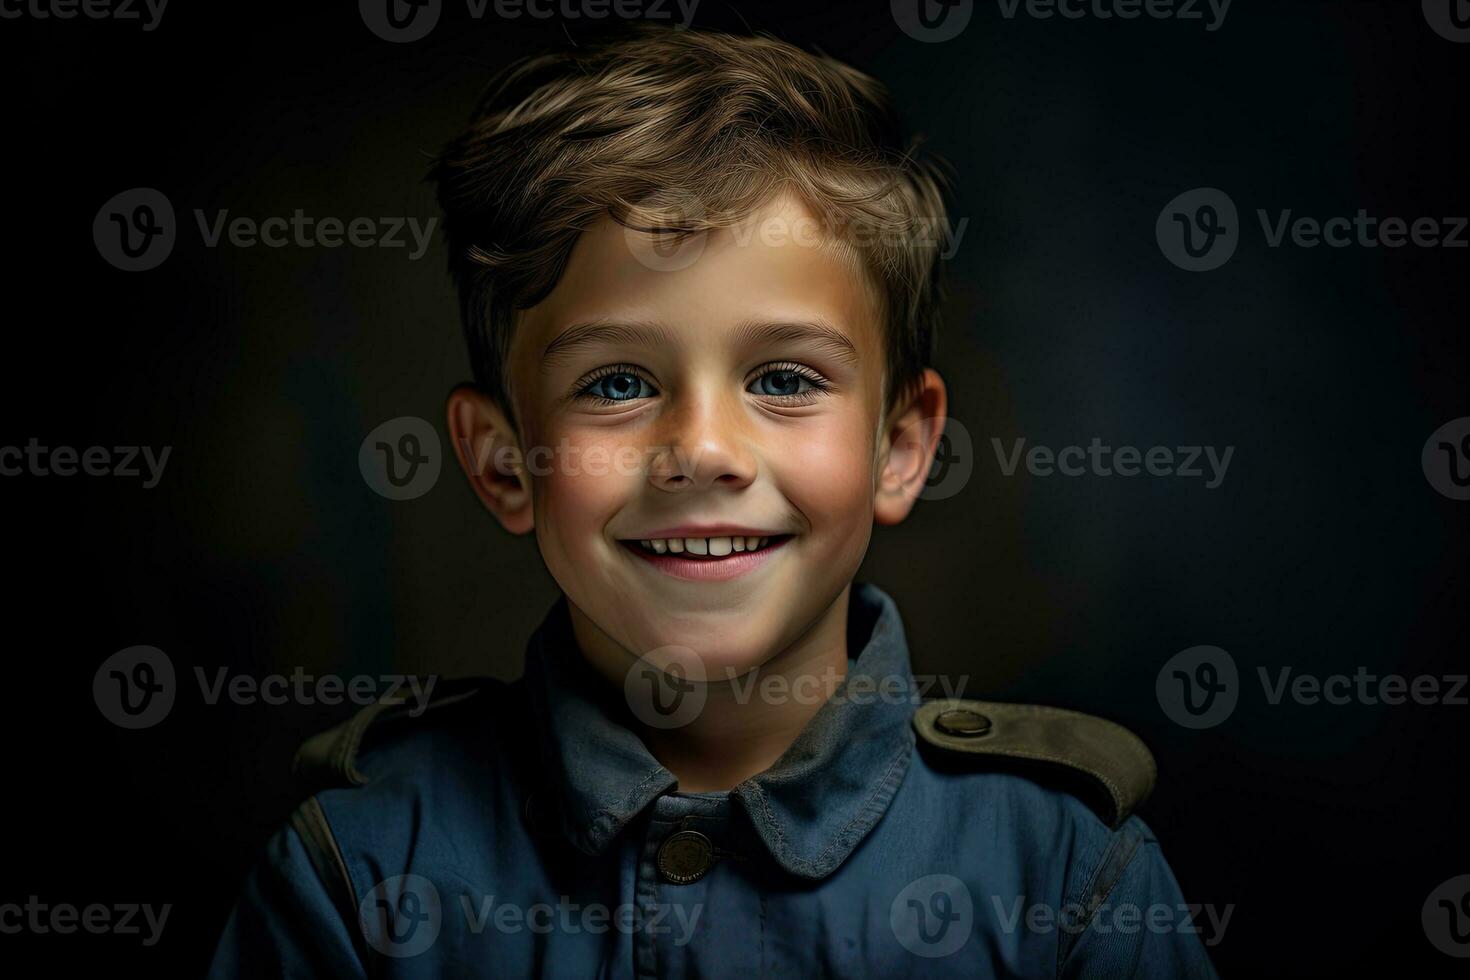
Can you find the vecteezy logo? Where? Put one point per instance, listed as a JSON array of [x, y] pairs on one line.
[[1446, 917], [1198, 230], [932, 20], [1198, 687], [934, 916], [1450, 19], [665, 230], [134, 688], [400, 459], [666, 688], [401, 916], [954, 462], [135, 230], [1446, 459], [400, 21]]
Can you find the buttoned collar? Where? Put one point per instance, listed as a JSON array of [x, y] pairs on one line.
[[810, 809]]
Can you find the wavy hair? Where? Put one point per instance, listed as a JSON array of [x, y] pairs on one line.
[[676, 132]]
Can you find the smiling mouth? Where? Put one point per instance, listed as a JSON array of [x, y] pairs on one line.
[[711, 549]]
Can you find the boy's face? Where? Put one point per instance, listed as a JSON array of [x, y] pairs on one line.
[[675, 414]]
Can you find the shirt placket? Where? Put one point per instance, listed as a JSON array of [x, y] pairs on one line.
[[699, 914]]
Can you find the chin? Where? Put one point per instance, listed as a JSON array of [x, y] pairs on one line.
[[714, 651]]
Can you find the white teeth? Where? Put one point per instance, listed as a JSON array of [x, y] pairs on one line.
[[713, 547]]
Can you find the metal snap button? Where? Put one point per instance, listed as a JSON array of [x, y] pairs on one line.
[[685, 856], [962, 722]]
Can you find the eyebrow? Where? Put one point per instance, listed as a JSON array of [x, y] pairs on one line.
[[819, 333], [751, 333], [583, 335]]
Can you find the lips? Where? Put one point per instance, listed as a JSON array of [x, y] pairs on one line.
[[707, 558]]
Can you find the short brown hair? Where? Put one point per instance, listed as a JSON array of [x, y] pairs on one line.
[[560, 140]]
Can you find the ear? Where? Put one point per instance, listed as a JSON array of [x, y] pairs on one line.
[[911, 435], [489, 452]]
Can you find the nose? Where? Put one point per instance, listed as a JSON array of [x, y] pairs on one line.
[[704, 444]]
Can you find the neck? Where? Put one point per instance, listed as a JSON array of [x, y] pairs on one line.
[[748, 720]]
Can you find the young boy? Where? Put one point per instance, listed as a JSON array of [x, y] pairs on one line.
[[699, 279]]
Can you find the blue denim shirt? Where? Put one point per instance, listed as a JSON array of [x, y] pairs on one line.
[[524, 829]]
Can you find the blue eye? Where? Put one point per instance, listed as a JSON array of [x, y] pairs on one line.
[[620, 386], [781, 384]]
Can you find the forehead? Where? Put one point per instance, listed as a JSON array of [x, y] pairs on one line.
[[776, 266]]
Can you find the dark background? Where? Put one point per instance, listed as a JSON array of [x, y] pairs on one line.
[[263, 549]]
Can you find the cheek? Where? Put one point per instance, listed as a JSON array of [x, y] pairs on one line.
[[828, 474], [580, 482]]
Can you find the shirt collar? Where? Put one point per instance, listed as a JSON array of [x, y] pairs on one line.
[[810, 809]]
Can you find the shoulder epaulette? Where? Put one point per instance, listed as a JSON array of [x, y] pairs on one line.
[[1102, 762], [329, 758]]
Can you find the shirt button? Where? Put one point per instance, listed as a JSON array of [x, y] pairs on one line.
[[684, 857], [962, 722]]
